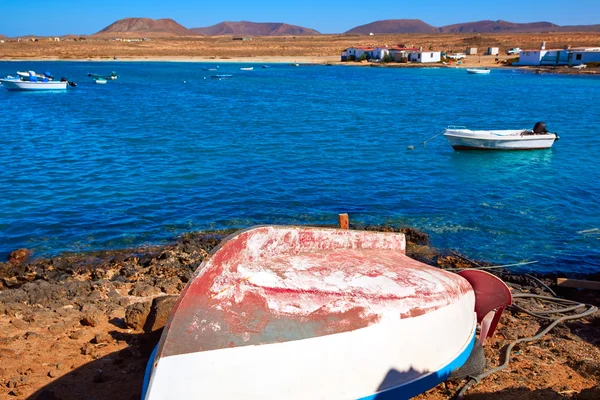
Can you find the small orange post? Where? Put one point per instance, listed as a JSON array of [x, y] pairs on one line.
[[344, 221]]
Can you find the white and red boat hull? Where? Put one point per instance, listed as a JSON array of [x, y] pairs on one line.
[[295, 312]]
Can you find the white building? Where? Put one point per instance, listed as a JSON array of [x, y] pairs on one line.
[[565, 56], [471, 51], [380, 52], [493, 51], [357, 52], [584, 55], [420, 56]]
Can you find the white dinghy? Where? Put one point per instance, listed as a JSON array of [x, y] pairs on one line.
[[313, 313], [478, 71], [462, 138]]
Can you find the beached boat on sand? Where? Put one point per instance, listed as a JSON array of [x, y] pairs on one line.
[[314, 313], [462, 138], [478, 71]]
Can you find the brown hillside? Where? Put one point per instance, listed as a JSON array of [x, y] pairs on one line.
[[254, 29], [146, 25], [394, 26], [499, 26]]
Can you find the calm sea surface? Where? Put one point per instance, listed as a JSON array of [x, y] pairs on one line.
[[147, 157]]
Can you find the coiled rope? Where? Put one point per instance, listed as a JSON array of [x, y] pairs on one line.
[[566, 306]]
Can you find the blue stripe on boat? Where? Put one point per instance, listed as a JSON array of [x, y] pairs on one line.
[[148, 372], [425, 383]]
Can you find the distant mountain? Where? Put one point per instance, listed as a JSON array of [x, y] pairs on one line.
[[146, 25], [394, 26], [579, 28], [487, 26], [254, 29], [3, 37], [499, 26]]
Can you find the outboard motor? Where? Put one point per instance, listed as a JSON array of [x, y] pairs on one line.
[[540, 128]]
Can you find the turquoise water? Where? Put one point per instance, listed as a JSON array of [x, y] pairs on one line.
[[144, 158]]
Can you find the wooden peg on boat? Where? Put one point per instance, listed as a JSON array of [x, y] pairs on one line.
[[344, 221]]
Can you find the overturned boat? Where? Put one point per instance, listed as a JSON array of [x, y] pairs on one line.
[[312, 313], [462, 138]]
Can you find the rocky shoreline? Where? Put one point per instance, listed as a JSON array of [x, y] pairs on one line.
[[84, 325]]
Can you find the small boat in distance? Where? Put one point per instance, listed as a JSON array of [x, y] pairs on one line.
[[266, 66], [113, 76], [478, 71], [246, 68], [210, 69], [221, 76], [100, 81], [290, 312], [461, 138]]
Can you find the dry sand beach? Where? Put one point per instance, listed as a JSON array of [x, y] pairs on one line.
[[323, 48]]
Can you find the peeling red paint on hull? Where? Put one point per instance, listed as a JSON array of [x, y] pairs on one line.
[[276, 284]]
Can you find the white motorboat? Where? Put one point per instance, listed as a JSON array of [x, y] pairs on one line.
[[462, 138], [14, 84], [246, 68], [100, 81], [478, 71]]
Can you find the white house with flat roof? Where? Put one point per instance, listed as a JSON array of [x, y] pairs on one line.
[[584, 55], [357, 52], [380, 52], [421, 56], [566, 56]]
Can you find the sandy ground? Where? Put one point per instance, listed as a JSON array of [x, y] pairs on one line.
[[323, 48], [77, 327]]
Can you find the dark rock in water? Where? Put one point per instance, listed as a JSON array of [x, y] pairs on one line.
[[159, 313], [136, 314], [19, 256]]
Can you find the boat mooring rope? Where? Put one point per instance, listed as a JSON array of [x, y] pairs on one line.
[[491, 266], [570, 307], [431, 138]]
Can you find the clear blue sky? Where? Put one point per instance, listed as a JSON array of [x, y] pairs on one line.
[[60, 17]]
